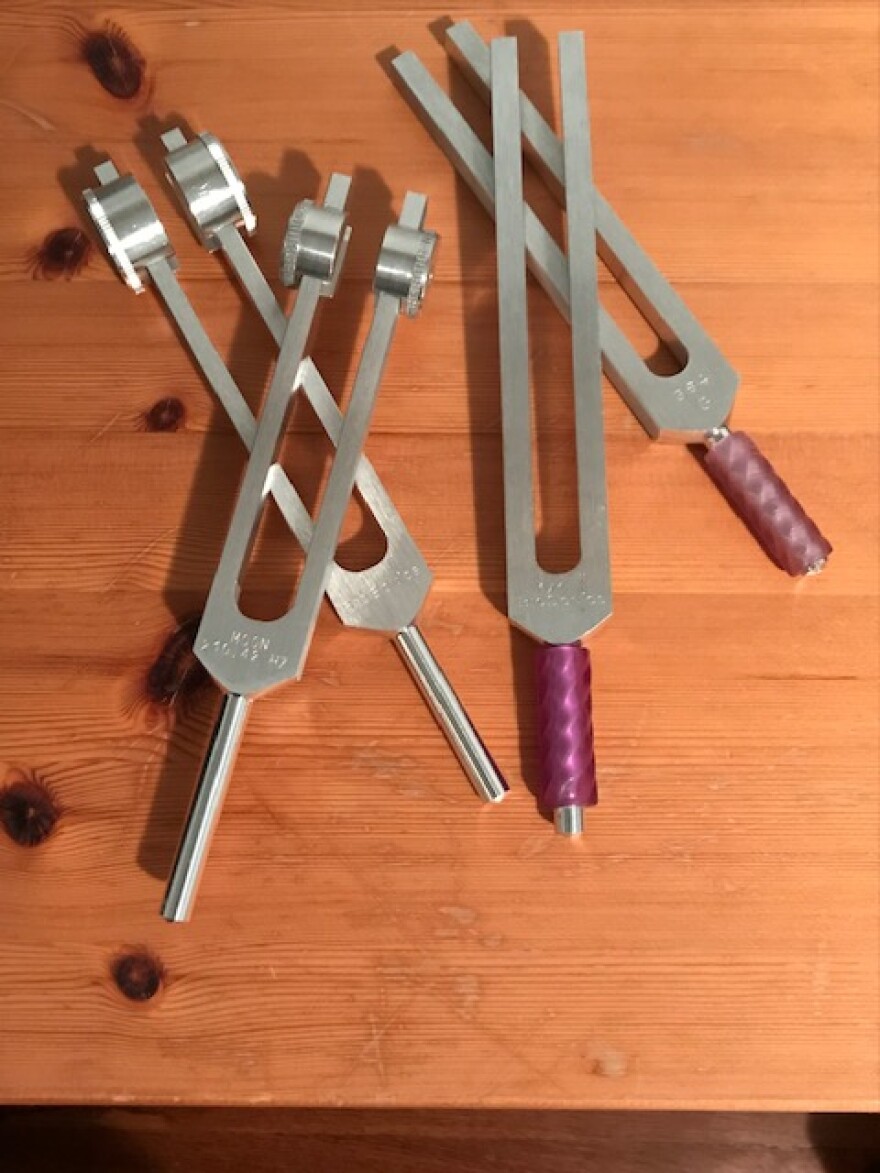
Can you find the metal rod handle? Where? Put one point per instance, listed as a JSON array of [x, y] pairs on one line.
[[450, 715], [205, 808]]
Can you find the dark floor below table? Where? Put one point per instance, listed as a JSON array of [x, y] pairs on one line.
[[195, 1140]]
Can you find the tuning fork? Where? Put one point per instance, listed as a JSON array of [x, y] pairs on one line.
[[386, 596], [690, 406], [557, 609], [249, 656]]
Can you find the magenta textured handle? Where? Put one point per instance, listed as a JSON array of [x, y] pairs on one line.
[[756, 492], [565, 727]]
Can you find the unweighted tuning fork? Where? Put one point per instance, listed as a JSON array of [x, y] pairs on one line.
[[557, 609], [692, 405]]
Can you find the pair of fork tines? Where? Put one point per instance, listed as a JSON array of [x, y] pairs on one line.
[[245, 655]]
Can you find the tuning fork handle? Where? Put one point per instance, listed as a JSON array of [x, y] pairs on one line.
[[450, 715], [760, 497], [205, 808], [563, 678]]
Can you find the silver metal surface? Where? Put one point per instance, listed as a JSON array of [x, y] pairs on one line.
[[384, 597], [450, 715], [261, 477], [314, 246], [359, 601], [389, 594], [248, 655], [131, 220], [594, 568], [204, 812], [243, 654], [405, 266], [555, 607], [127, 222], [569, 820], [697, 398], [680, 407], [210, 189]]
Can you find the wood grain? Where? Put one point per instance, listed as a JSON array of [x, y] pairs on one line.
[[366, 933]]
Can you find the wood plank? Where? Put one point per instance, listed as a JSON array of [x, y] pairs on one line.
[[121, 500], [367, 935], [794, 352]]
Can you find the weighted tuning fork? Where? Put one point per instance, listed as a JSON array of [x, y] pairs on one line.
[[690, 406], [385, 597], [389, 595], [248, 656]]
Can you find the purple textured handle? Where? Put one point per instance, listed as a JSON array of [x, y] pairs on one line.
[[756, 492], [565, 727]]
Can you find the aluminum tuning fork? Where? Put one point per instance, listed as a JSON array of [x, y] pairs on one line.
[[242, 655], [690, 406], [555, 608], [389, 595]]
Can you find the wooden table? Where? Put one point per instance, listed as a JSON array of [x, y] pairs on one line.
[[366, 933]]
